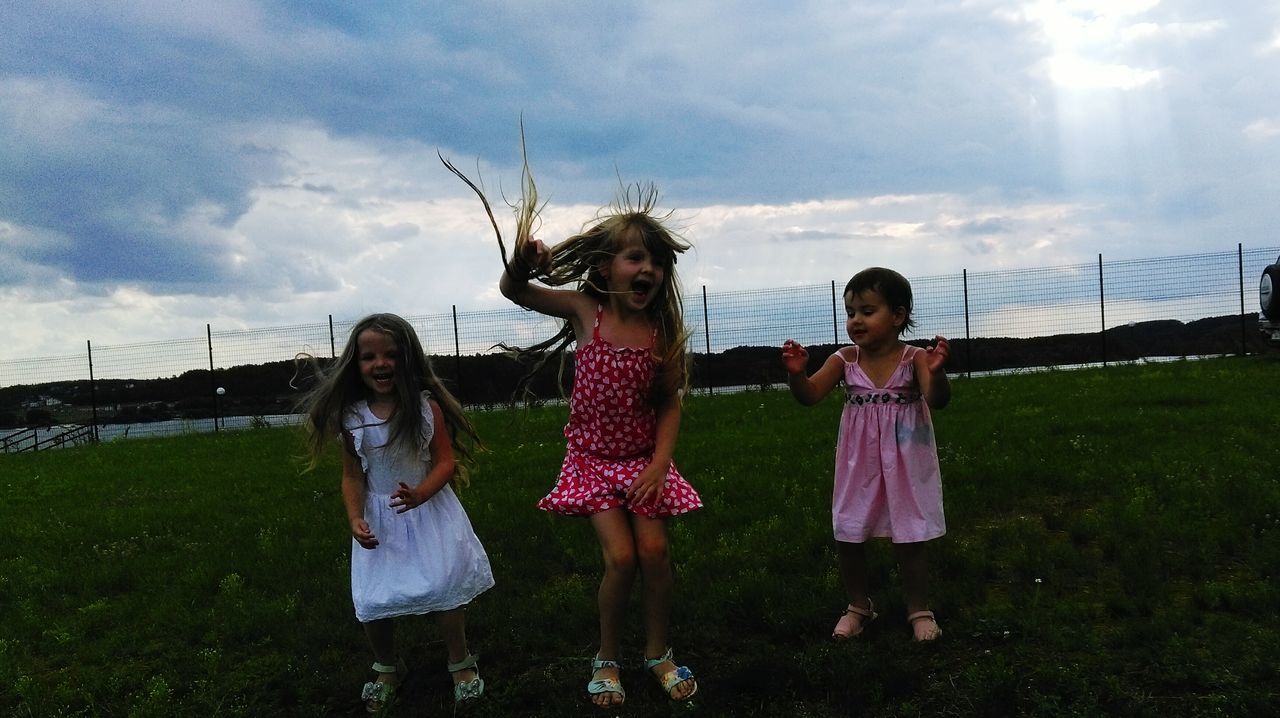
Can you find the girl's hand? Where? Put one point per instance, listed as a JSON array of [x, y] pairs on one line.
[[534, 256], [937, 354], [405, 498], [361, 533], [648, 485], [795, 358]]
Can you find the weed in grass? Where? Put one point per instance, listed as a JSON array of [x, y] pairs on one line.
[[155, 700]]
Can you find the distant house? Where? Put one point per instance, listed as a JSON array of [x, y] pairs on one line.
[[40, 402]]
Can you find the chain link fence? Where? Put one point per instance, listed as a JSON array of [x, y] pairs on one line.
[[1095, 312]]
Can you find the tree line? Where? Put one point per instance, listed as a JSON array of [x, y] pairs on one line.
[[491, 379]]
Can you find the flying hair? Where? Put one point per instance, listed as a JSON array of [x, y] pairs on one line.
[[526, 208], [577, 261]]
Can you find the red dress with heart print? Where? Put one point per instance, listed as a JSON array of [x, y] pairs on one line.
[[611, 433]]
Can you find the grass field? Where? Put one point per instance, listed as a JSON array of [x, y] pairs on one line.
[[1113, 546]]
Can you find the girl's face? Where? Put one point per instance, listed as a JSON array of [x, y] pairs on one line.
[[871, 323], [634, 276], [377, 354]]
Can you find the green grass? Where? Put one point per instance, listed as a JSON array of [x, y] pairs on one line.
[[1112, 551]]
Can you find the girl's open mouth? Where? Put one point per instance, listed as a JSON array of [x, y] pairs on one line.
[[641, 286]]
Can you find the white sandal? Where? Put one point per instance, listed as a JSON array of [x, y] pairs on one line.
[[600, 686], [378, 695], [464, 691], [679, 675]]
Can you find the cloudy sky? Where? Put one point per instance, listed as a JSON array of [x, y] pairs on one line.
[[248, 163]]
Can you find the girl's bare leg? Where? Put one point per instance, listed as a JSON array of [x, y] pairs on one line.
[[659, 585], [382, 640], [657, 581], [852, 559], [453, 629], [913, 564], [853, 571], [617, 546]]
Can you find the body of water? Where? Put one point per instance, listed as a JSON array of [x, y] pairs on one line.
[[114, 432], [172, 427]]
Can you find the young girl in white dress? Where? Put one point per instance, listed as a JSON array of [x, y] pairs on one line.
[[413, 550]]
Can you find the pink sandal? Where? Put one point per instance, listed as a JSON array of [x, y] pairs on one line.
[[924, 632], [850, 627]]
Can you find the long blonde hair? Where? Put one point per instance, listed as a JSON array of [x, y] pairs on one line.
[[578, 260], [340, 385]]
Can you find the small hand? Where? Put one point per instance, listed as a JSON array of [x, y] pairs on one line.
[[363, 536], [795, 358], [535, 255], [937, 354], [648, 485], [404, 498]]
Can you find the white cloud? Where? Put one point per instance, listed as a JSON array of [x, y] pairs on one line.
[[1263, 129], [1079, 73], [264, 164]]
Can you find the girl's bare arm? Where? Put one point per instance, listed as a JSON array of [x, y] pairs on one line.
[[353, 491], [935, 387], [648, 485], [810, 390], [564, 303], [443, 465]]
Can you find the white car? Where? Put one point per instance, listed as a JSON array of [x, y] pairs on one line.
[[1269, 302]]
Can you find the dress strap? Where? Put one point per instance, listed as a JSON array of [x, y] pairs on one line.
[[595, 328]]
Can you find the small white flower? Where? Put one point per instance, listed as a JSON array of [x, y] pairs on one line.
[[1039, 581]]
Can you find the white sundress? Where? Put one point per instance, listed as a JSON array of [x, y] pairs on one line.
[[428, 558]]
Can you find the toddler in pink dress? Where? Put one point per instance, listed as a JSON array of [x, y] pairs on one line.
[[887, 478], [887, 481]]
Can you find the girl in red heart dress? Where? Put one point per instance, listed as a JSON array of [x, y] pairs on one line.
[[625, 315]]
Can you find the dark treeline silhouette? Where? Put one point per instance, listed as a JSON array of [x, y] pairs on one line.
[[491, 379]]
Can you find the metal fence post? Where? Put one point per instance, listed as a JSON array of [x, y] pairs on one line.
[[1102, 306], [706, 335], [213, 382], [1244, 333], [333, 352], [835, 316], [457, 354], [968, 341], [93, 391]]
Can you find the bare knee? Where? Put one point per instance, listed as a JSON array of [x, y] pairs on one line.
[[620, 561], [653, 552]]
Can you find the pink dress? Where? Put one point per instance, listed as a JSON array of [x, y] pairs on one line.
[[887, 480], [611, 432]]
